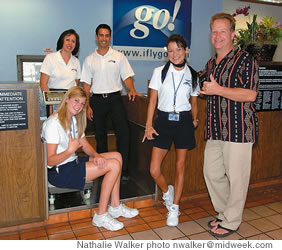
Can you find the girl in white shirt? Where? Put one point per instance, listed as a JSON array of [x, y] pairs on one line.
[[63, 132], [173, 88]]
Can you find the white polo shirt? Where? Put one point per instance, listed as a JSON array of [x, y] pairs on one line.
[[106, 72], [53, 133], [62, 75], [166, 89]]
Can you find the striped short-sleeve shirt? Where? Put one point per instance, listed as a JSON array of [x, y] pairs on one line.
[[228, 120]]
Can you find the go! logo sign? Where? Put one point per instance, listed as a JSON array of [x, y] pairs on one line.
[[159, 19], [148, 23]]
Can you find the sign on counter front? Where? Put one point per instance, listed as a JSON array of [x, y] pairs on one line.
[[269, 96], [13, 110]]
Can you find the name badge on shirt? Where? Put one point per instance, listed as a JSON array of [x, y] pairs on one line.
[[172, 116]]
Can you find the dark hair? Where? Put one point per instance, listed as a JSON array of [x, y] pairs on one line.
[[181, 43], [226, 16], [103, 26], [180, 40], [60, 41]]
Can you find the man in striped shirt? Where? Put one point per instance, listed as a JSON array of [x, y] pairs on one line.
[[230, 83]]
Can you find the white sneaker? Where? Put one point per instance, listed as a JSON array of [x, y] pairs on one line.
[[168, 197], [107, 221], [172, 215], [123, 211]]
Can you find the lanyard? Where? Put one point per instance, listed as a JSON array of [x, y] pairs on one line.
[[73, 129], [175, 90]]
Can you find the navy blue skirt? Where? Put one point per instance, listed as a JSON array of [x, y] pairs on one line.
[[181, 132], [70, 175]]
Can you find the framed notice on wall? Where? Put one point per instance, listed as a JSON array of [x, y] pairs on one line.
[[269, 96], [13, 110]]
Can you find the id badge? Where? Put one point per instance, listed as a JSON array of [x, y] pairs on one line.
[[173, 116]]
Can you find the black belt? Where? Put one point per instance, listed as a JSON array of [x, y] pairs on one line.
[[106, 95], [165, 114]]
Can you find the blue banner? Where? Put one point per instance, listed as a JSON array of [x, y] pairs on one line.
[[148, 23]]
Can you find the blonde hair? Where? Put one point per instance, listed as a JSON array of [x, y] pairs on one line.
[[80, 117], [226, 16]]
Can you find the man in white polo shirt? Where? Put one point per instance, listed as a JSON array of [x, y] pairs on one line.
[[106, 68]]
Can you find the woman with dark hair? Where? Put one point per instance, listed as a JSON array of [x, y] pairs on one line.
[[174, 89], [61, 39], [61, 70], [63, 133]]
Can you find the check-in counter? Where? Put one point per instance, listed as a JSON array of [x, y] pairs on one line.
[[22, 175]]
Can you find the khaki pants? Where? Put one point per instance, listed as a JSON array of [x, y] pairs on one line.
[[227, 168]]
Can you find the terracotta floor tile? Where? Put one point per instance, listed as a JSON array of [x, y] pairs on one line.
[[276, 219], [259, 237], [82, 225], [80, 221], [199, 215], [39, 232], [143, 203], [137, 228], [31, 225], [193, 210], [277, 206], [184, 217], [61, 236], [168, 233], [212, 212], [162, 209], [10, 236], [186, 205], [190, 227], [40, 238], [263, 211], [145, 235], [110, 234], [8, 229], [58, 229], [154, 218], [262, 219], [57, 225], [276, 234], [75, 215], [121, 237], [96, 236], [207, 207], [263, 225], [143, 209], [249, 214], [202, 203], [202, 236], [183, 238], [57, 218], [85, 231], [203, 222], [133, 222], [149, 213], [247, 230], [157, 224]]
